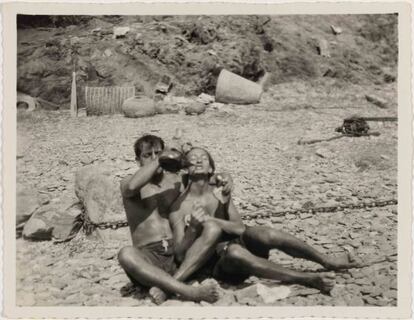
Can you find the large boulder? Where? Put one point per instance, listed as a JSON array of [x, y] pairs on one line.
[[52, 221], [166, 107], [27, 201], [98, 189], [37, 229], [195, 108], [137, 107]]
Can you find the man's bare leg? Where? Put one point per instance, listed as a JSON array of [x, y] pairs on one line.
[[269, 238], [198, 254], [239, 260], [137, 266], [201, 250]]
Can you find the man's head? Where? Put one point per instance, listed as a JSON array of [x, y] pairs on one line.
[[201, 161], [148, 148]]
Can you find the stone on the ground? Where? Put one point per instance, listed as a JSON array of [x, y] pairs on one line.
[[205, 98], [164, 85], [259, 293], [137, 107], [107, 52], [389, 75], [164, 107], [217, 105], [74, 40], [379, 102], [63, 225], [120, 32], [323, 152], [195, 108], [323, 48], [336, 30], [27, 202], [99, 191], [270, 295], [37, 229], [227, 298], [54, 220]]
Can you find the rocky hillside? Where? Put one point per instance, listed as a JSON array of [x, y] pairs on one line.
[[360, 49]]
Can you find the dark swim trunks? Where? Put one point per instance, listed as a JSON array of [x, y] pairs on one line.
[[161, 255], [213, 267]]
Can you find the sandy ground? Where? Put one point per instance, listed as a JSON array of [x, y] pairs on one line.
[[258, 145]]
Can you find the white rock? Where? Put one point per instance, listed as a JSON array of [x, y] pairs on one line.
[[205, 98], [37, 229], [336, 30], [262, 294], [107, 52], [120, 32]]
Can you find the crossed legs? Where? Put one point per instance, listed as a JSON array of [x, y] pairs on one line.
[[196, 256], [140, 269], [201, 250]]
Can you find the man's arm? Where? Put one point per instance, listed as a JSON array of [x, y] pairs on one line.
[[235, 224], [131, 185]]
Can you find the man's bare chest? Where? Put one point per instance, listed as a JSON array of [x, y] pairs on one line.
[[160, 196], [210, 204]]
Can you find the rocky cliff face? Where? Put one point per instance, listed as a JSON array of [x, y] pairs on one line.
[[193, 49]]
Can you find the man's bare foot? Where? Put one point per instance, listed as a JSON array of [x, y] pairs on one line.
[[324, 281], [208, 292], [343, 261], [157, 295]]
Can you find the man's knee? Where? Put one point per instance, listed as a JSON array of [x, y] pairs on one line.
[[126, 256], [211, 231], [235, 252]]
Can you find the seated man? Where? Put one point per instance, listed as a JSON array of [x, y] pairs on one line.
[[147, 196], [246, 249]]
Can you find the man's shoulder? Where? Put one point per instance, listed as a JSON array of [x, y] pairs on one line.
[[124, 182], [125, 179]]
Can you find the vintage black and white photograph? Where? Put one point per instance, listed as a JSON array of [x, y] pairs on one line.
[[207, 160]]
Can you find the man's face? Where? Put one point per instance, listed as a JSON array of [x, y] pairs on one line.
[[200, 163], [149, 153]]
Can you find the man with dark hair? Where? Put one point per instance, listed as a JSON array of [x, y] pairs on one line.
[[149, 140], [244, 250], [148, 195]]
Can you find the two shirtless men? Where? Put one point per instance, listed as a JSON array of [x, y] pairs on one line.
[[178, 230]]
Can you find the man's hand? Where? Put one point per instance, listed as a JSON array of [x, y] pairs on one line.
[[198, 216], [226, 181]]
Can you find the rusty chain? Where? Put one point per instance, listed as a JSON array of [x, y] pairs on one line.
[[88, 226], [311, 210]]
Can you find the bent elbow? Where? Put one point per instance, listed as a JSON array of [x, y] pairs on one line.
[[128, 190]]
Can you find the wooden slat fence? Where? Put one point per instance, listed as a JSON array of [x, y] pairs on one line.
[[106, 100]]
